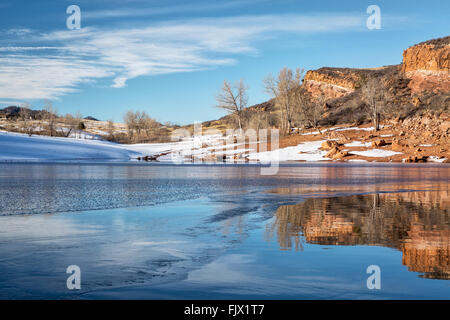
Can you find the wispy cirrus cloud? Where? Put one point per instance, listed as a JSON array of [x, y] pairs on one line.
[[207, 6], [59, 62]]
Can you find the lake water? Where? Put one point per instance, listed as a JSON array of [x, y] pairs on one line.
[[161, 231]]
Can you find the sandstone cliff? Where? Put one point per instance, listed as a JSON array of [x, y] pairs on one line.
[[421, 82], [338, 82], [428, 66], [433, 55]]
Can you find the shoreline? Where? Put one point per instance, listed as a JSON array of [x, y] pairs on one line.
[[422, 139]]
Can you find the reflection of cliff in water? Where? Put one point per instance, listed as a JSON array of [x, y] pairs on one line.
[[417, 223]]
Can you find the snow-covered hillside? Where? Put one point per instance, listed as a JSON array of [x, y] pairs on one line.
[[15, 146], [22, 147]]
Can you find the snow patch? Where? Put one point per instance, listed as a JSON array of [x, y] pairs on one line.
[[376, 153], [357, 144], [307, 151], [436, 159]]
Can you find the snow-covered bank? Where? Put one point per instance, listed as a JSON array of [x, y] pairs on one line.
[[21, 147], [207, 148]]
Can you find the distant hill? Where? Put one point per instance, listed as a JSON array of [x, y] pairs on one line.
[[90, 118], [13, 112]]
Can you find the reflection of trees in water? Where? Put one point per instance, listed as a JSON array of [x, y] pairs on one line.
[[405, 221]]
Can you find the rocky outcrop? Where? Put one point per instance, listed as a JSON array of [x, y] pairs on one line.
[[339, 82], [329, 144], [425, 69], [433, 55], [332, 82], [378, 143], [428, 66]]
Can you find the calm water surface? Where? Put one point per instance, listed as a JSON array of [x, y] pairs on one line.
[[210, 231]]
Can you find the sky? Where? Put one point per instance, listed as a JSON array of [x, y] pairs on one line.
[[170, 58]]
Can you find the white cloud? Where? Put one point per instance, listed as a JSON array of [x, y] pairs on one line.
[[59, 62], [168, 9]]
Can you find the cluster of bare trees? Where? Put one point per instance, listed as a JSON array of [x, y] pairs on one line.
[[72, 122], [52, 121], [294, 103], [47, 121], [140, 125], [285, 89]]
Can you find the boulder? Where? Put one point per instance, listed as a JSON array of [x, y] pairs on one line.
[[329, 144], [415, 159], [398, 146], [378, 143], [332, 152], [340, 155]]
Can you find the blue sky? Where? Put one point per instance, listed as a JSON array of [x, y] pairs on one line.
[[170, 58]]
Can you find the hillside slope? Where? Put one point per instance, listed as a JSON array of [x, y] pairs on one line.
[[420, 84]]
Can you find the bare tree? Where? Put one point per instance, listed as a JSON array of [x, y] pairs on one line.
[[24, 116], [110, 128], [283, 89], [373, 94], [258, 119], [24, 112], [131, 122], [71, 124], [50, 116], [233, 99], [310, 109]]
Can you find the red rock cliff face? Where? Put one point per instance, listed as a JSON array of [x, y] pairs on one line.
[[331, 82], [428, 66], [339, 82]]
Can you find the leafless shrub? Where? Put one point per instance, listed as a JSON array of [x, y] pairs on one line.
[[233, 99], [309, 109], [141, 127], [50, 117], [283, 89], [373, 93]]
